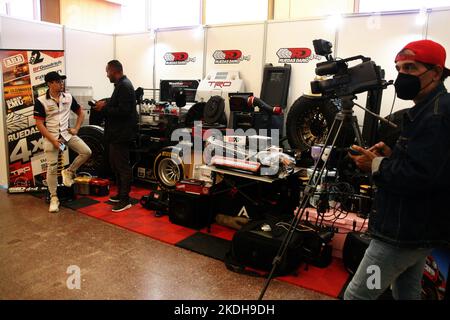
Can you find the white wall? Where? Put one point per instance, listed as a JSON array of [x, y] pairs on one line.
[[290, 9], [135, 52], [24, 34], [438, 30], [247, 38], [86, 56], [190, 41], [297, 34]]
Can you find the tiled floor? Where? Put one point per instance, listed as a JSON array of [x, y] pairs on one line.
[[37, 247]]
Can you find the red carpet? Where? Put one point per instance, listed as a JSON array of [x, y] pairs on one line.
[[329, 281]]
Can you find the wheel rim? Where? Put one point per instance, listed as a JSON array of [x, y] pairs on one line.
[[169, 172], [312, 127]]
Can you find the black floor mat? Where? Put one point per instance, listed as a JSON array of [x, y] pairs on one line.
[[207, 245], [132, 200], [79, 203]]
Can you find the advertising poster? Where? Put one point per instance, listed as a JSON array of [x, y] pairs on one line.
[[435, 276], [23, 81]]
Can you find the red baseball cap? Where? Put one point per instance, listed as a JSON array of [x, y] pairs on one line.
[[425, 51]]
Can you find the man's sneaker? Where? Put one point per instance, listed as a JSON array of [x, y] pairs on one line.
[[54, 205], [115, 198], [122, 205], [67, 177]]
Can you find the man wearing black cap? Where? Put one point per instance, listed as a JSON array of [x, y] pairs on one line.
[[412, 179], [120, 130], [52, 112]]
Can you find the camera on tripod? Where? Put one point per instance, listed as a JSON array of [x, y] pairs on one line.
[[345, 80]]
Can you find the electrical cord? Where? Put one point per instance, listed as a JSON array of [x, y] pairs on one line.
[[286, 225], [392, 107]]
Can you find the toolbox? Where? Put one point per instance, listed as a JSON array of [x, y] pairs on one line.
[[193, 186], [81, 184], [99, 187]]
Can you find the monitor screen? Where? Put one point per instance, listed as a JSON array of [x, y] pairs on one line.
[[168, 88]]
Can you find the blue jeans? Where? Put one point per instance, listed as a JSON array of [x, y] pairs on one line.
[[384, 265]]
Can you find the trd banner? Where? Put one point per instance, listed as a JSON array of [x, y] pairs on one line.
[[23, 82]]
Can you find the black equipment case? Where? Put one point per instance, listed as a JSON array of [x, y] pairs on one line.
[[355, 246], [190, 210], [255, 246]]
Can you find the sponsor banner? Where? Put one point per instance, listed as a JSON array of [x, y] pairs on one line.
[[178, 58], [23, 81], [296, 55], [229, 57]]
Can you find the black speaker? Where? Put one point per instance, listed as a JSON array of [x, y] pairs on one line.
[[189, 210], [355, 246]]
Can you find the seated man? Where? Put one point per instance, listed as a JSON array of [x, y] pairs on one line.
[[51, 112]]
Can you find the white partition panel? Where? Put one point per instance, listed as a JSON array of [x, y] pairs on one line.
[[380, 38], [249, 40], [179, 54], [135, 52], [289, 42], [24, 34], [438, 31], [86, 56]]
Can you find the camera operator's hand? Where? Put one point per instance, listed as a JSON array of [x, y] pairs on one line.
[[99, 105], [364, 161], [382, 149]]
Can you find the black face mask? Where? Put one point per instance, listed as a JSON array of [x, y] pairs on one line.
[[408, 86]]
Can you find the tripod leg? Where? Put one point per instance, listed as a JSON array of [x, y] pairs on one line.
[[309, 191]]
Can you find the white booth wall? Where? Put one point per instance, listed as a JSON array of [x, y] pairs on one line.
[[190, 41], [377, 36], [86, 56], [249, 39], [136, 53], [297, 34]]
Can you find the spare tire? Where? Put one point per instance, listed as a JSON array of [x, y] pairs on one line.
[[97, 164], [195, 113], [214, 110], [309, 121]]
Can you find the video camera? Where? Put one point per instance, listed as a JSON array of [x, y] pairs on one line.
[[362, 77]]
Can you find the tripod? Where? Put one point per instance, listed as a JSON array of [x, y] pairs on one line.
[[343, 118]]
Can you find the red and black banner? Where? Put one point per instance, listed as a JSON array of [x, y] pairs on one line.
[[23, 81], [229, 56], [296, 55], [178, 58]]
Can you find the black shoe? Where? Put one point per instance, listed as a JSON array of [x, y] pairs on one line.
[[115, 198], [122, 205], [159, 214]]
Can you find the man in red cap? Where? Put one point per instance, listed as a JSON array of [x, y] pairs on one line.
[[412, 179]]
